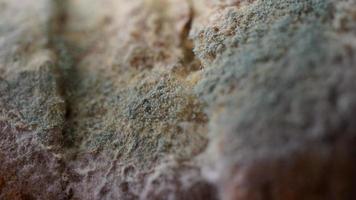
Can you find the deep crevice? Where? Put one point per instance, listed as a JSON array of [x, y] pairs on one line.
[[66, 73], [190, 61]]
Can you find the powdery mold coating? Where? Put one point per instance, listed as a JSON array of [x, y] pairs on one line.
[[177, 99]]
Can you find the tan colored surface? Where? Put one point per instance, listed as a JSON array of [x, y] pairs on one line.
[[177, 99]]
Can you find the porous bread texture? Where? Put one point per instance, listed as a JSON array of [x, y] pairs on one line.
[[172, 99]]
